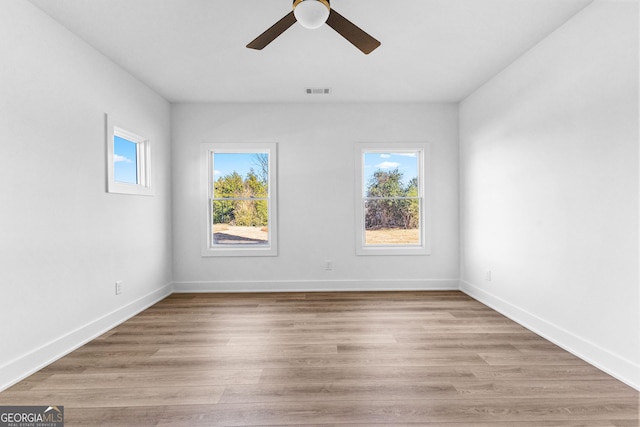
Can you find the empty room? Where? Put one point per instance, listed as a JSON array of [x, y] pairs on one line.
[[356, 212]]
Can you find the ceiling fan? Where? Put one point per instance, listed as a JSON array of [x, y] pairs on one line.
[[312, 14]]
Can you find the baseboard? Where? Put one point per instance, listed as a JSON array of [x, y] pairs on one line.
[[318, 286], [20, 368], [622, 369]]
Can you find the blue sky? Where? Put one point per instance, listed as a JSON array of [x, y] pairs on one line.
[[125, 160], [226, 163], [406, 163]]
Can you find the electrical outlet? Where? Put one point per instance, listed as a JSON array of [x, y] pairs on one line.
[[328, 265], [118, 287], [487, 275]]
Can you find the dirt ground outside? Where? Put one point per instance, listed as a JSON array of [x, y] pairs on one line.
[[392, 236], [233, 234]]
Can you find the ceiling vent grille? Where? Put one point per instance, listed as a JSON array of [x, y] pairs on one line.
[[318, 91]]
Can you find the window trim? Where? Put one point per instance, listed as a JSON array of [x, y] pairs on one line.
[[115, 127], [424, 170], [206, 192]]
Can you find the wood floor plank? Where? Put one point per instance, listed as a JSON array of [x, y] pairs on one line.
[[315, 338], [267, 360], [336, 392], [560, 372], [451, 346], [543, 387], [125, 396], [466, 412], [131, 378], [520, 359], [124, 416], [250, 348], [354, 358], [366, 374]]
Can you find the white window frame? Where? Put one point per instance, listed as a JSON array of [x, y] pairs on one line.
[[423, 150], [206, 191], [143, 186]]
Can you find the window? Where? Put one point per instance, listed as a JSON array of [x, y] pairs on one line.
[[239, 183], [391, 207], [125, 159], [128, 161]]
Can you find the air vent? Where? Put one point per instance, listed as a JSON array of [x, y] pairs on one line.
[[318, 91]]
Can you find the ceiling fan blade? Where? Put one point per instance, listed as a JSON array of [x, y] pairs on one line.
[[274, 31], [352, 33]]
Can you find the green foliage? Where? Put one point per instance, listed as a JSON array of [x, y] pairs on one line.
[[391, 205], [385, 184], [251, 210]]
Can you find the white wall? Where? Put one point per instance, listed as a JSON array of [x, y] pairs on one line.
[[63, 240], [549, 189], [316, 195]]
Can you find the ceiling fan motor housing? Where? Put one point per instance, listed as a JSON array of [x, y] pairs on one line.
[[311, 13], [327, 3]]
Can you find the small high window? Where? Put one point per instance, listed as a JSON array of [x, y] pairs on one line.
[[128, 161], [125, 159]]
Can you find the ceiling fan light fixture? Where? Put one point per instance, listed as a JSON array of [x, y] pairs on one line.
[[311, 14]]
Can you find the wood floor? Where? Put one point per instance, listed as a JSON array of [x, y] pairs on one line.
[[398, 358]]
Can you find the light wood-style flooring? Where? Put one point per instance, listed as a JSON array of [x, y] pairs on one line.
[[380, 358]]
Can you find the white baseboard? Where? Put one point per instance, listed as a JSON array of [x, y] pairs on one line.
[[318, 286], [620, 368], [20, 368]]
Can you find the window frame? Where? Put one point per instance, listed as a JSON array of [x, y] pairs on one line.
[[424, 193], [143, 187], [208, 249]]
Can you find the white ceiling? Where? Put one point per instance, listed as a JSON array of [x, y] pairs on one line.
[[194, 50]]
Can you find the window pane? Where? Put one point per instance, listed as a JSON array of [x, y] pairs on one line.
[[240, 222], [240, 209], [240, 175], [391, 204], [125, 158], [392, 221], [390, 174]]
